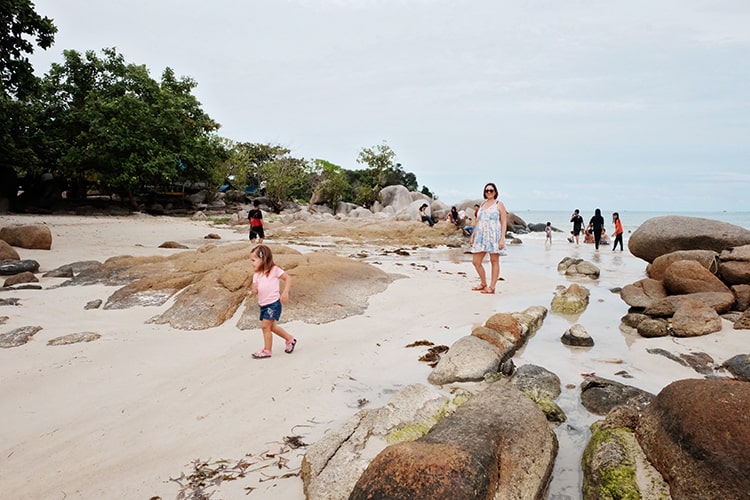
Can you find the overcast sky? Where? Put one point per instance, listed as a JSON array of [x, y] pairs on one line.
[[622, 105]]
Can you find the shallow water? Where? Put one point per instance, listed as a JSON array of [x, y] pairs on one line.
[[530, 277]]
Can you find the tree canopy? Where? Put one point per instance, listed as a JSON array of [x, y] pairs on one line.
[[19, 25], [21, 30], [97, 122], [109, 123]]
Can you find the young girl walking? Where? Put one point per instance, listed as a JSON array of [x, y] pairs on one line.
[[266, 287]]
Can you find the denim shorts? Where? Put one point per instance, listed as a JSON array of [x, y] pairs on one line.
[[271, 311]]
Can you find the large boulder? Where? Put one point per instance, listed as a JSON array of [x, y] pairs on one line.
[[411, 211], [666, 307], [643, 293], [496, 445], [614, 466], [31, 236], [479, 354], [397, 196], [707, 258], [662, 235], [734, 265], [211, 283], [7, 252], [600, 395], [741, 297], [469, 358], [332, 465], [693, 318], [697, 434], [689, 276]]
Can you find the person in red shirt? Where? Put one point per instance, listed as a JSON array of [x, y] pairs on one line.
[[255, 217], [618, 231]]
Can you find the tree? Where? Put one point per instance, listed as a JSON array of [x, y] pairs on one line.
[[109, 123], [331, 184], [20, 22], [251, 157], [379, 159], [285, 178], [21, 29], [381, 172]]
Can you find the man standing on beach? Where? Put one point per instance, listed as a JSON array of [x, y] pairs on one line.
[[577, 221]]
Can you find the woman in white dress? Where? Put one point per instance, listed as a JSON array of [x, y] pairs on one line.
[[488, 237]]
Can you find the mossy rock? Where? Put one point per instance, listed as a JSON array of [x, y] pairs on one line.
[[615, 467]]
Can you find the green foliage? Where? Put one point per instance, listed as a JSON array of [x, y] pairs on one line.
[[254, 156], [379, 159], [21, 29], [330, 182], [111, 124], [381, 172], [19, 24], [284, 179]]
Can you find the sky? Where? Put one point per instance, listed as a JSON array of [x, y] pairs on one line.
[[617, 104]]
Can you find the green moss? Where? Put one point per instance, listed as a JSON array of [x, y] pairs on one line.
[[415, 431], [561, 304], [614, 480], [219, 220]]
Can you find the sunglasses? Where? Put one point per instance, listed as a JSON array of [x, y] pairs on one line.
[[489, 190]]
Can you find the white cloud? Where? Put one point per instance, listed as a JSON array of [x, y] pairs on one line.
[[591, 99]]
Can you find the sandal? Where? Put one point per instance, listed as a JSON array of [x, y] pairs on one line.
[[489, 291], [290, 346], [480, 287], [263, 353]]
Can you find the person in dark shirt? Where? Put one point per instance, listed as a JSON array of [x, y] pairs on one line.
[[577, 221], [255, 216], [596, 224]]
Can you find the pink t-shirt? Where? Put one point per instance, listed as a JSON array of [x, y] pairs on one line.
[[268, 285]]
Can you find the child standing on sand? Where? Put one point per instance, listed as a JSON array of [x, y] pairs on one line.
[[266, 287], [548, 232]]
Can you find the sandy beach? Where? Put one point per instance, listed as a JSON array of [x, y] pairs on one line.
[[119, 416]]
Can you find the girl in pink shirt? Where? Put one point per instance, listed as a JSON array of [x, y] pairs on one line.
[[266, 287]]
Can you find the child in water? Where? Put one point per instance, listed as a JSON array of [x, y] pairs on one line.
[[266, 287]]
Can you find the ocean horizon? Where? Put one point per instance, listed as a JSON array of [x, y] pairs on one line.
[[560, 219]]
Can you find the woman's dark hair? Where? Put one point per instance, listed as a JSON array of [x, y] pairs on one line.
[[490, 184], [423, 206]]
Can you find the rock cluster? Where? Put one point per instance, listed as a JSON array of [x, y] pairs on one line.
[[699, 270]]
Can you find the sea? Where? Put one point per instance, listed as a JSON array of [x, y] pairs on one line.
[[616, 350], [560, 219]]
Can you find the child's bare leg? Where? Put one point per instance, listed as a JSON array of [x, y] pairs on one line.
[[267, 326], [275, 328]]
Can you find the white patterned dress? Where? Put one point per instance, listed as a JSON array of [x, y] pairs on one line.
[[487, 231]]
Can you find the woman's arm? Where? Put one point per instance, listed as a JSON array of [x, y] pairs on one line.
[[503, 222]]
